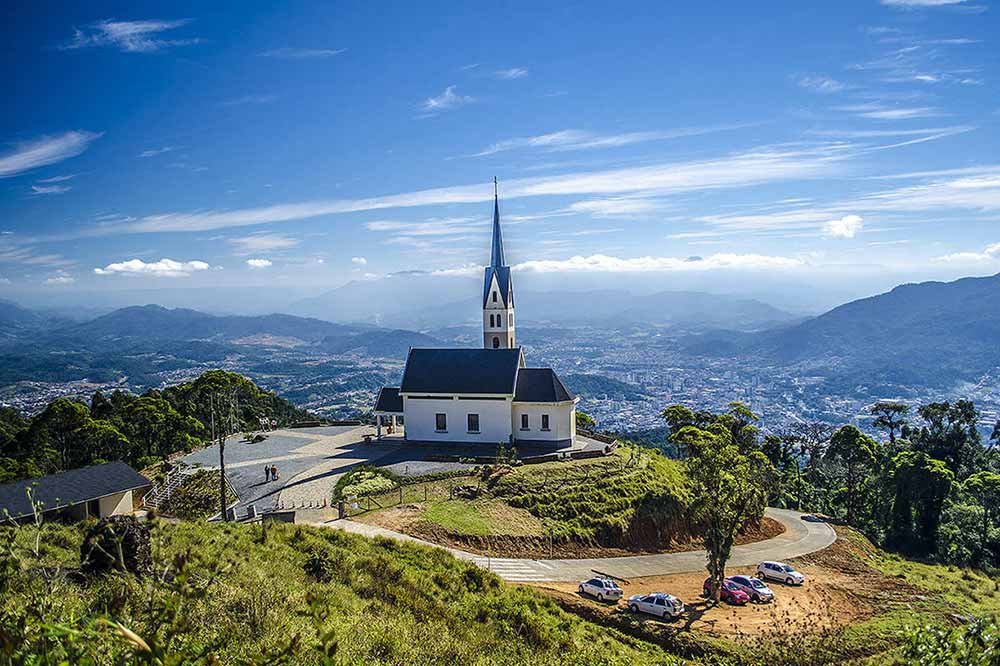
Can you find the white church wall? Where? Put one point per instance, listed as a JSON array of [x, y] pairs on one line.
[[562, 420], [494, 419]]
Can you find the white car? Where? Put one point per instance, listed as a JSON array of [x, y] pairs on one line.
[[602, 589], [780, 571], [659, 604]]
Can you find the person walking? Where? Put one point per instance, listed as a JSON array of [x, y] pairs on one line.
[[274, 473], [267, 473]]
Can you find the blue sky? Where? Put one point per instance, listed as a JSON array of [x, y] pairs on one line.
[[308, 144]]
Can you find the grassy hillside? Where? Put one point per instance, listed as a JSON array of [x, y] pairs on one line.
[[236, 595]]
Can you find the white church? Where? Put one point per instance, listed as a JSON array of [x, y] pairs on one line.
[[481, 395]]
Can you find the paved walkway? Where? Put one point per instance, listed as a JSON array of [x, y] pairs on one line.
[[799, 538]]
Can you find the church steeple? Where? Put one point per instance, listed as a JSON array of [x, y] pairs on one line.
[[496, 258], [498, 291]]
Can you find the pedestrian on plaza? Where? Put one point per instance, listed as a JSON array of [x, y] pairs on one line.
[[274, 473], [267, 473]]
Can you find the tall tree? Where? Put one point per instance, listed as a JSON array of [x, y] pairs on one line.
[[922, 485], [950, 433], [857, 453], [984, 487], [890, 417], [730, 490]]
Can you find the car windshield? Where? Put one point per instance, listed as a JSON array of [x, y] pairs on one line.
[[756, 583], [730, 586], [787, 568]]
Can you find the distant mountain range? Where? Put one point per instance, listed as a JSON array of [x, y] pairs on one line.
[[421, 301], [931, 333]]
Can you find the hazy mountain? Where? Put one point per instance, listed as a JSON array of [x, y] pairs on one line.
[[421, 301], [599, 386], [931, 333]]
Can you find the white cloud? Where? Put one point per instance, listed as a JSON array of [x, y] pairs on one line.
[[45, 150], [152, 152], [57, 179], [50, 189], [161, 268], [259, 263], [820, 84], [616, 207], [914, 4], [360, 261], [881, 112], [4, 280], [293, 53], [512, 73], [989, 253], [846, 227], [129, 36], [601, 263], [263, 242], [572, 139], [738, 170], [62, 278], [449, 99]]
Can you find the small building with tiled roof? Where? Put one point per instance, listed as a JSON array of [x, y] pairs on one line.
[[483, 395], [95, 491]]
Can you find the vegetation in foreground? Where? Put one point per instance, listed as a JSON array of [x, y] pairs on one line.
[[240, 594]]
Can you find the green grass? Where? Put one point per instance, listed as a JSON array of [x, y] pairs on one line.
[[244, 596], [482, 518]]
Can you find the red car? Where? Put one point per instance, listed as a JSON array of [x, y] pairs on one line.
[[729, 593]]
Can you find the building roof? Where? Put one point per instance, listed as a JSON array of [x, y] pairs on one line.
[[72, 487], [452, 371], [496, 254], [540, 385], [388, 400], [498, 267]]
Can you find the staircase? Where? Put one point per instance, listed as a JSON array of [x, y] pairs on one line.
[[161, 492]]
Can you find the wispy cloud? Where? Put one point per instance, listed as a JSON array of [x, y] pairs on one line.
[[249, 99], [989, 253], [359, 261], [881, 112], [846, 227], [44, 151], [820, 84], [259, 263], [601, 263], [50, 189], [617, 207], [129, 36], [916, 4], [738, 170], [161, 268], [263, 242], [447, 100], [573, 139], [153, 152], [60, 278], [57, 179], [512, 73], [293, 53]]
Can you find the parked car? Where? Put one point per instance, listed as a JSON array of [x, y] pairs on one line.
[[780, 571], [754, 587], [729, 592], [602, 589], [659, 604]]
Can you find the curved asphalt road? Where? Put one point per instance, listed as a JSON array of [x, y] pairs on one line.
[[799, 538]]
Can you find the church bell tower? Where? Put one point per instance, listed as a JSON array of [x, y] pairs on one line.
[[498, 291]]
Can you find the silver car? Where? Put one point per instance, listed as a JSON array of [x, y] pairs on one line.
[[754, 587], [780, 571], [602, 589], [659, 604]]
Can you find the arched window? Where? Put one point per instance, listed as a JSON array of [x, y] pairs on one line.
[[494, 297], [510, 319], [491, 321], [496, 342]]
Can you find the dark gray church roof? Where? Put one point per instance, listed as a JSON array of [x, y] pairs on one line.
[[540, 385], [388, 400], [489, 371], [71, 487]]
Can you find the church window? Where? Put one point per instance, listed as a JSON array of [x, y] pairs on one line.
[[491, 321], [473, 422], [510, 319], [545, 421], [494, 297], [496, 342], [441, 422], [524, 421]]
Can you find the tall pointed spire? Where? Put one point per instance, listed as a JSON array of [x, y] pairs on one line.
[[496, 258]]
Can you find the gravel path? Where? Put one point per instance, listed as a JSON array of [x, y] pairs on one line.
[[799, 538]]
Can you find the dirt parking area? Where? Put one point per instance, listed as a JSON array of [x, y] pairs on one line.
[[839, 591]]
